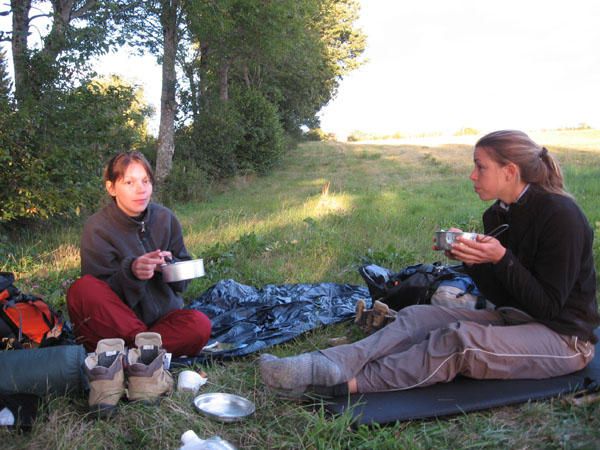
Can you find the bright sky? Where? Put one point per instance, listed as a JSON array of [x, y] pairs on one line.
[[438, 65]]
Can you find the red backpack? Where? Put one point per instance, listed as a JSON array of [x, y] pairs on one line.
[[26, 321]]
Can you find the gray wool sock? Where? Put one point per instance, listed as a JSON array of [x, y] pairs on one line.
[[325, 371], [298, 372]]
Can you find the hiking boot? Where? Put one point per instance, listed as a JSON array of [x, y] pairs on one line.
[[360, 318], [104, 370], [147, 377], [371, 320], [380, 313]]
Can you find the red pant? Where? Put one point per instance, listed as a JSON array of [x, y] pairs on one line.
[[98, 313]]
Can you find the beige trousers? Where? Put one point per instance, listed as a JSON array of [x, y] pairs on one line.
[[429, 344]]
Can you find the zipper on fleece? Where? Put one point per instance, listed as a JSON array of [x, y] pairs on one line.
[[144, 237]]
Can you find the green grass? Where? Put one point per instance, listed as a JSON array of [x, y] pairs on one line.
[[383, 204]]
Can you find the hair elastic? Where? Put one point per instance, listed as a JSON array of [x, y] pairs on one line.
[[543, 152]]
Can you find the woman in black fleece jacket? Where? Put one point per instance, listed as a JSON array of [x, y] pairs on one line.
[[121, 292], [539, 273]]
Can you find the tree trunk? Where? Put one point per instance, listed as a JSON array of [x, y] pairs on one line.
[[20, 29], [202, 74], [190, 73], [168, 107], [224, 81]]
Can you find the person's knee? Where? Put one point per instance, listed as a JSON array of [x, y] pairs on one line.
[[193, 325], [82, 287], [77, 287], [461, 338], [200, 324], [194, 333], [447, 340], [76, 294]]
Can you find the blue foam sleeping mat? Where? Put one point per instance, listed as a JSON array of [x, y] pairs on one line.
[[461, 395]]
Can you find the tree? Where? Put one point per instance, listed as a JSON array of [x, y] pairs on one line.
[[308, 78], [294, 51], [5, 83], [169, 18], [155, 26], [78, 29]]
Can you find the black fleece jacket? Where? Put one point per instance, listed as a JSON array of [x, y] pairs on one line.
[[548, 269], [111, 241]]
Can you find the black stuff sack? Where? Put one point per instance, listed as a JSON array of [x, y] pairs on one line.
[[414, 285]]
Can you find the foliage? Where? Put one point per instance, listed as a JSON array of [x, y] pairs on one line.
[[294, 52], [262, 143], [357, 135], [188, 181], [231, 138], [289, 54], [317, 134], [52, 151], [213, 139], [326, 48], [68, 33]]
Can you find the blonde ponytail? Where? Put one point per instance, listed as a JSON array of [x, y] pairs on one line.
[[536, 165]]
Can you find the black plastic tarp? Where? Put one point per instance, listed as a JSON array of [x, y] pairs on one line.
[[246, 319]]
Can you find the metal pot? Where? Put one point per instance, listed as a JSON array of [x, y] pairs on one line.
[[445, 239], [182, 270]]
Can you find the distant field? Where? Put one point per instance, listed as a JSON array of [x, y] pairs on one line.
[[328, 208], [575, 139]]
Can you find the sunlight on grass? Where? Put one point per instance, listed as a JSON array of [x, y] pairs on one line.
[[328, 204], [234, 223]]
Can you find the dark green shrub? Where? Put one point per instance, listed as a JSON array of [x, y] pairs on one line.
[[52, 151], [186, 182], [262, 144], [212, 140]]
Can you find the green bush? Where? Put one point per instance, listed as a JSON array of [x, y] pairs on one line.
[[262, 144], [186, 182], [317, 134], [52, 151], [212, 140]]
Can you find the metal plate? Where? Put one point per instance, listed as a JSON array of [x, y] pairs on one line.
[[224, 407]]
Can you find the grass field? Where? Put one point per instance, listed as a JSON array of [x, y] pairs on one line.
[[329, 208]]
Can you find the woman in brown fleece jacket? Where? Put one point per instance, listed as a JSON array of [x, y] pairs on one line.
[[121, 292]]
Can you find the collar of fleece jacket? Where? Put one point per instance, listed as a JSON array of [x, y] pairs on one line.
[[126, 221]]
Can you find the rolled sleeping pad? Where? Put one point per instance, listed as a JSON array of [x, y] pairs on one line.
[[43, 371]]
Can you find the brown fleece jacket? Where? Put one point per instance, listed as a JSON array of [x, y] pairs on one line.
[[111, 241]]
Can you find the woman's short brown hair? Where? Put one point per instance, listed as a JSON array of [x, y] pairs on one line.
[[118, 164]]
